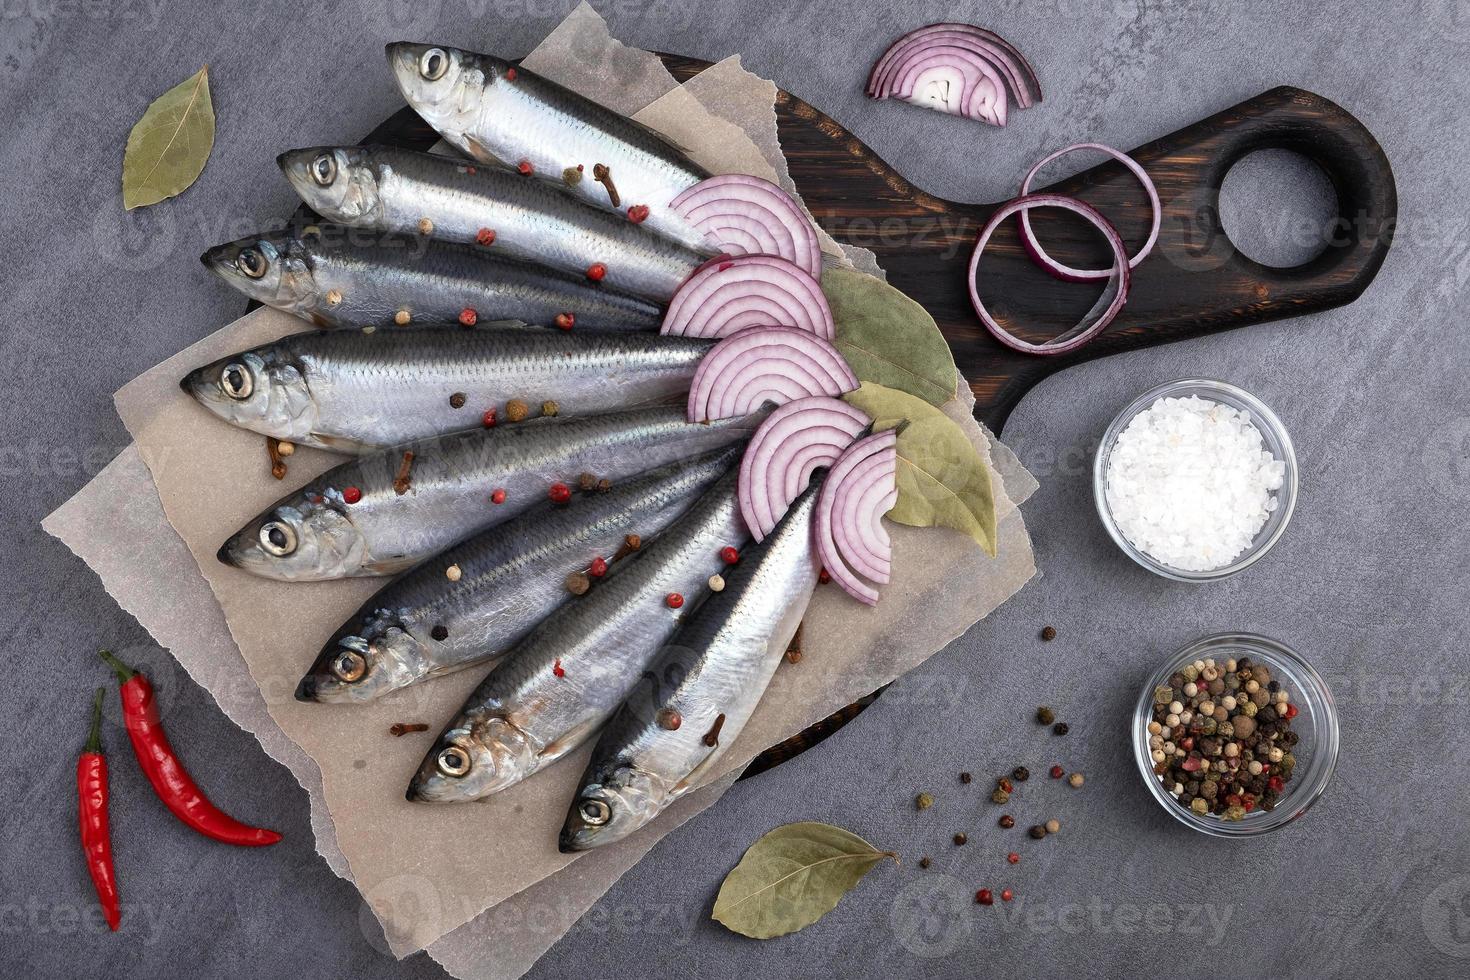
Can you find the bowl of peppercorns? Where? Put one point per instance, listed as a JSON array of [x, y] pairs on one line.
[[1236, 735]]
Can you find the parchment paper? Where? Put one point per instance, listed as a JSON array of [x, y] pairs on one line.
[[194, 463]]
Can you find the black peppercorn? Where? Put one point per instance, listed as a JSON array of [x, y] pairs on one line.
[[965, 778], [1060, 728], [960, 838], [1048, 633], [1007, 821], [439, 633], [1037, 832], [924, 862], [1045, 716], [1020, 774]]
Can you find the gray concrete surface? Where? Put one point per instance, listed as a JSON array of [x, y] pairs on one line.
[[1370, 582]]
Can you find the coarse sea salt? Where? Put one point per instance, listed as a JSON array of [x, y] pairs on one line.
[[1190, 483]]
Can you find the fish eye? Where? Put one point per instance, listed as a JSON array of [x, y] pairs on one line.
[[324, 169], [349, 666], [595, 813], [252, 263], [278, 538], [433, 63], [454, 761], [236, 381]]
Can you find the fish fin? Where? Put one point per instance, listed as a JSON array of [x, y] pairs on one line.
[[569, 740], [341, 444], [694, 775], [389, 566], [479, 151]]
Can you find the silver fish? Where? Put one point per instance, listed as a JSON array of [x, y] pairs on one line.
[[512, 577], [495, 111], [419, 193], [703, 687], [352, 521], [340, 276], [359, 391], [558, 686]]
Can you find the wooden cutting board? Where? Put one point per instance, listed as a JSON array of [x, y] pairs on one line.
[[1194, 283]]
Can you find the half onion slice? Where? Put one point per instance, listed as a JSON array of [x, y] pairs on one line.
[[1066, 272], [956, 68], [860, 488], [729, 294], [1103, 311], [765, 364], [786, 450], [747, 215]]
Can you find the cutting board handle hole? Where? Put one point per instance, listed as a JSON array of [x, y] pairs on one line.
[[1278, 208]]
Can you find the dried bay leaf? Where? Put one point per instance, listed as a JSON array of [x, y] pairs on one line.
[[943, 481], [887, 338], [168, 147], [792, 877]]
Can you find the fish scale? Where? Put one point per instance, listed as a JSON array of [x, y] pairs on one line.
[[359, 391], [451, 486], [557, 687], [710, 677], [511, 578]]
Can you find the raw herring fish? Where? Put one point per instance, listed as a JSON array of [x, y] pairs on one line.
[[702, 688], [455, 200], [353, 521], [340, 276], [495, 111], [512, 577], [558, 686], [359, 391]]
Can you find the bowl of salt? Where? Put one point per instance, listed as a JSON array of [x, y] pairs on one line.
[[1195, 480]]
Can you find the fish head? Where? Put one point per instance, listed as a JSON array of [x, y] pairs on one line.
[[476, 756], [269, 268], [340, 183], [446, 86], [305, 538], [264, 390], [610, 809], [359, 667]]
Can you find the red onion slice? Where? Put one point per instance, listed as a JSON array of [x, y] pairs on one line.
[[1066, 272], [729, 294], [747, 215], [1102, 312], [761, 364], [788, 447], [860, 488], [990, 66]]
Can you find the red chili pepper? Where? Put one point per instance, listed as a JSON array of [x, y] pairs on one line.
[[92, 816], [170, 779]]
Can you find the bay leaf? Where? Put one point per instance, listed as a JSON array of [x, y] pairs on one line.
[[887, 338], [792, 877], [943, 481], [168, 147]]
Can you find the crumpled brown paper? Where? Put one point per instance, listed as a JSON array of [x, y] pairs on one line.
[[796, 698]]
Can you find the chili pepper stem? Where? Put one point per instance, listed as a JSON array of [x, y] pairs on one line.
[[94, 739], [123, 671]]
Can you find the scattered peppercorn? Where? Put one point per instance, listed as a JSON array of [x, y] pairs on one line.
[[674, 600], [525, 168], [669, 720], [453, 573], [485, 237], [1053, 826], [1020, 774], [596, 272], [497, 496], [468, 316], [983, 897], [440, 633], [516, 410], [559, 493], [729, 555], [403, 318], [1000, 796], [1075, 780], [1057, 772], [351, 495], [1006, 895], [1007, 821], [587, 482], [1013, 858], [550, 409], [488, 420], [1060, 728], [1005, 784], [426, 227], [638, 213], [1045, 716], [1037, 832], [598, 567], [557, 669], [578, 583], [924, 862], [1048, 633], [824, 576], [924, 801], [716, 583], [960, 839], [457, 400], [566, 320], [965, 778]]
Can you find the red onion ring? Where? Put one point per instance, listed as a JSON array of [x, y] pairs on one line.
[[728, 294], [860, 488], [761, 364], [1066, 272], [747, 215], [1110, 302], [983, 65], [789, 446]]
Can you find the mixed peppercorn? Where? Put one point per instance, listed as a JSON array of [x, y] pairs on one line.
[[1221, 739]]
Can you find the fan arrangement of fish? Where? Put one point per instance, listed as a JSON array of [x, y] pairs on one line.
[[595, 419]]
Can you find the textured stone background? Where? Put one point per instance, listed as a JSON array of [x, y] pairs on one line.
[[1370, 581]]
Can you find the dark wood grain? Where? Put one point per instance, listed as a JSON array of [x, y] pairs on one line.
[[1195, 282]]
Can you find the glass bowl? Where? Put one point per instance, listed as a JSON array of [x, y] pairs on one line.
[[1316, 724], [1273, 436]]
